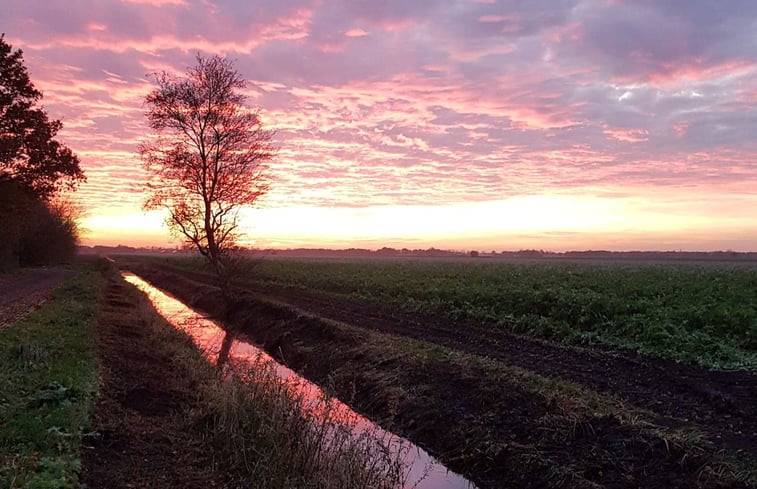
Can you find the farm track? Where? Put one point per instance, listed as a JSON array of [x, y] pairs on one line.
[[720, 404], [21, 294]]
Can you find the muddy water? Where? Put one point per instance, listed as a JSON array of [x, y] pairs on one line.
[[422, 470]]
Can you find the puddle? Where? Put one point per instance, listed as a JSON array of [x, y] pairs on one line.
[[422, 470]]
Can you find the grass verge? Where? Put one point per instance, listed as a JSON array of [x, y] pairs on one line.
[[48, 363]]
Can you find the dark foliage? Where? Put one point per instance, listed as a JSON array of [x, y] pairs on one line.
[[29, 154], [50, 235], [35, 232], [36, 228]]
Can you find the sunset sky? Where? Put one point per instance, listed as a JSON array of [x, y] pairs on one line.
[[463, 124]]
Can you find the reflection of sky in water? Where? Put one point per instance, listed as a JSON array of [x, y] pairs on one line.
[[423, 471]]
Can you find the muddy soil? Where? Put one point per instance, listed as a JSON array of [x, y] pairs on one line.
[[493, 431], [721, 404], [140, 414], [23, 292]]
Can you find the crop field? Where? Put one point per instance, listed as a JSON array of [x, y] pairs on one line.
[[686, 312], [539, 373]]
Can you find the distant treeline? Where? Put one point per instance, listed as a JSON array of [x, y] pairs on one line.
[[527, 254], [662, 255], [439, 253], [34, 231]]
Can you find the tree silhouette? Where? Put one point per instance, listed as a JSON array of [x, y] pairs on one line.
[[51, 232], [207, 158], [33, 168], [29, 154]]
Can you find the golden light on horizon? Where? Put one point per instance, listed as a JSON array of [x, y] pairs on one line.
[[555, 222]]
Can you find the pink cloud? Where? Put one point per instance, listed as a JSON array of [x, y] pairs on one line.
[[356, 32], [677, 74], [157, 3], [493, 18], [626, 135]]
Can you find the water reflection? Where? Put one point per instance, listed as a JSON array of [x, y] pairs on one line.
[[223, 354], [235, 356]]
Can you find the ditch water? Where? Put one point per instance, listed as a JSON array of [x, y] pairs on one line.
[[422, 470]]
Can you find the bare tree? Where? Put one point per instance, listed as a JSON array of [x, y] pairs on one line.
[[208, 157]]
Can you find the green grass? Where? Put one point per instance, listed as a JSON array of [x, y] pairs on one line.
[[48, 380], [696, 314]]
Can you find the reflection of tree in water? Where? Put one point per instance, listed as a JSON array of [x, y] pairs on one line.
[[223, 355]]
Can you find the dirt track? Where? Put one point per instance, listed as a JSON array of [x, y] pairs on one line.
[[22, 293], [472, 407]]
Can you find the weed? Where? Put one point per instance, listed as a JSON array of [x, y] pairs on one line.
[[26, 356], [54, 394]]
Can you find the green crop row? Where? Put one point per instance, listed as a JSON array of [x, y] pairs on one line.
[[686, 312]]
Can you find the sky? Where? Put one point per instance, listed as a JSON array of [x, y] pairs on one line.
[[459, 124]]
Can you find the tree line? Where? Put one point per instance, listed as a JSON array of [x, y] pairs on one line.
[[37, 223]]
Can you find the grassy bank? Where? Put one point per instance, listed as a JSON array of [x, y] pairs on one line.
[[685, 312], [259, 431], [48, 363]]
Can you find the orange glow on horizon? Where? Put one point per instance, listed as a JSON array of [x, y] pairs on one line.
[[553, 222]]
